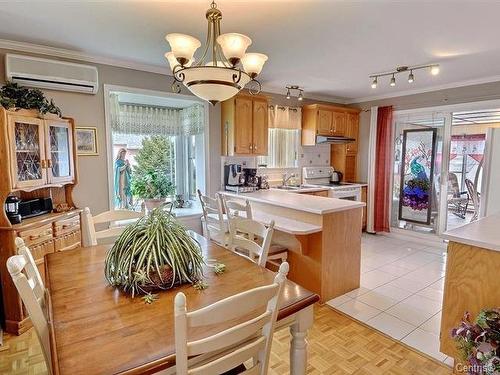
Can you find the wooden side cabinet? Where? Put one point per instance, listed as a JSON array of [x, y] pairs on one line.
[[244, 125]]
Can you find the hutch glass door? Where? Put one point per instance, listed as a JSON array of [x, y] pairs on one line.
[[60, 160], [27, 136]]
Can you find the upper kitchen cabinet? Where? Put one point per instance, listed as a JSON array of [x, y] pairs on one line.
[[352, 131], [326, 120], [244, 125], [39, 151]]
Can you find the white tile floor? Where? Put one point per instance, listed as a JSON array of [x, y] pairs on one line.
[[401, 291]]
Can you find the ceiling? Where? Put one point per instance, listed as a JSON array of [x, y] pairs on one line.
[[328, 47]]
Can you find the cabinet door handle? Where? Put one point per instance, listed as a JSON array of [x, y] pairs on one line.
[[250, 146], [49, 163], [255, 147], [43, 163]]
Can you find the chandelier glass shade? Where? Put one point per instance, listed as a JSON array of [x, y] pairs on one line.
[[224, 67]]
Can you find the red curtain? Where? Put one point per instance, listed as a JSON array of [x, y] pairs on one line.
[[383, 169]]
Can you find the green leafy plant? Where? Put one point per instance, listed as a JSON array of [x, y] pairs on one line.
[[154, 253], [219, 268], [152, 185], [150, 298], [14, 96], [151, 177]]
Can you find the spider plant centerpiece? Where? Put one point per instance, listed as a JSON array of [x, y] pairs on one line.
[[154, 253]]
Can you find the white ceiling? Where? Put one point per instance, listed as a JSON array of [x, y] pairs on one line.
[[328, 47]]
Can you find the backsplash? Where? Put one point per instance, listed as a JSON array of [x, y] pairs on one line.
[[318, 155]]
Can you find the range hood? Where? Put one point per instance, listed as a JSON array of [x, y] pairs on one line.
[[321, 139]]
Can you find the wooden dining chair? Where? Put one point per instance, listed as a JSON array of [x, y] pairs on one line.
[[239, 228], [214, 221], [91, 236], [28, 282], [250, 338]]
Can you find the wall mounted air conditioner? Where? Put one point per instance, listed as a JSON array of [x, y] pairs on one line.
[[51, 74]]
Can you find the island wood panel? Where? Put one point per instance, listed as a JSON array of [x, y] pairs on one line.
[[471, 284], [330, 261], [97, 329]]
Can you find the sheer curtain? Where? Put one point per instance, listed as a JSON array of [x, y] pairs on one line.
[[154, 120], [284, 137]]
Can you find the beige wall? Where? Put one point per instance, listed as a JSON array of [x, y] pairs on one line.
[[457, 95]]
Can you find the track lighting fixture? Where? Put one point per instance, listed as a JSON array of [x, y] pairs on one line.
[[393, 81], [411, 78], [434, 69], [291, 88]]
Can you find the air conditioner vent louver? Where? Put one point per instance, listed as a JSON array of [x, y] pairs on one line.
[[51, 74]]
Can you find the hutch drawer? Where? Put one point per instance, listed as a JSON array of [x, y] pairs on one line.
[[36, 236]]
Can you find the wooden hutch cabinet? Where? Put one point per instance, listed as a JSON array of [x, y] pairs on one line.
[[37, 160], [244, 125]]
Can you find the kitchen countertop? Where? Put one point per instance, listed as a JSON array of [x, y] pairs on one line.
[[483, 233], [301, 202], [302, 189]]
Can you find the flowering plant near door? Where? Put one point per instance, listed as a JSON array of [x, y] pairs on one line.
[[478, 343]]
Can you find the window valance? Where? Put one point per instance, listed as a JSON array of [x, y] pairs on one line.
[[154, 120], [285, 117]]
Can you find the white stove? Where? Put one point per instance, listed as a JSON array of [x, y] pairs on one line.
[[320, 176]]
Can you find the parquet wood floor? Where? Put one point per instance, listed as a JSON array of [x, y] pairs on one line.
[[337, 345]]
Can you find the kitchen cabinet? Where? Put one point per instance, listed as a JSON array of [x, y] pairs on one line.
[[41, 150], [344, 161], [244, 125], [352, 131], [327, 120]]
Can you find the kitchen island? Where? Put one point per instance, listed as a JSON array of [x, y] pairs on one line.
[[471, 279], [323, 236]]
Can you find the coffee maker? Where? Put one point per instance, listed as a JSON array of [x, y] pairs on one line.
[[233, 175], [238, 179]]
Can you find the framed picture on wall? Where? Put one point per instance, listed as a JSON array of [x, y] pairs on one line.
[[86, 141], [415, 200]]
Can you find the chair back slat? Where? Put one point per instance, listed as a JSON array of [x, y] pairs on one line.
[[90, 235], [474, 195], [233, 359], [29, 285], [249, 338], [232, 307], [230, 336]]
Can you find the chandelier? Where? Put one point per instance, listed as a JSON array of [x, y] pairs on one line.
[[224, 67]]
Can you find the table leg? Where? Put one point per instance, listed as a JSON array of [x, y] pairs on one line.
[[298, 348]]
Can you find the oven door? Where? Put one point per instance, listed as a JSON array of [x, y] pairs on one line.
[[348, 194]]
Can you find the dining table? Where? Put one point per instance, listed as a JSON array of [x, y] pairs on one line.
[[99, 329]]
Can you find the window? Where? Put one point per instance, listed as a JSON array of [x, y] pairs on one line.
[[284, 137], [172, 140], [283, 146]]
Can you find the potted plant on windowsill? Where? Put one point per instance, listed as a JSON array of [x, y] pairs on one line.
[[154, 187], [151, 179]]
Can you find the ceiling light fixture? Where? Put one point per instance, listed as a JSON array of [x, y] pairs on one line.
[[401, 69], [290, 88], [411, 77], [435, 70], [393, 81], [224, 67]]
